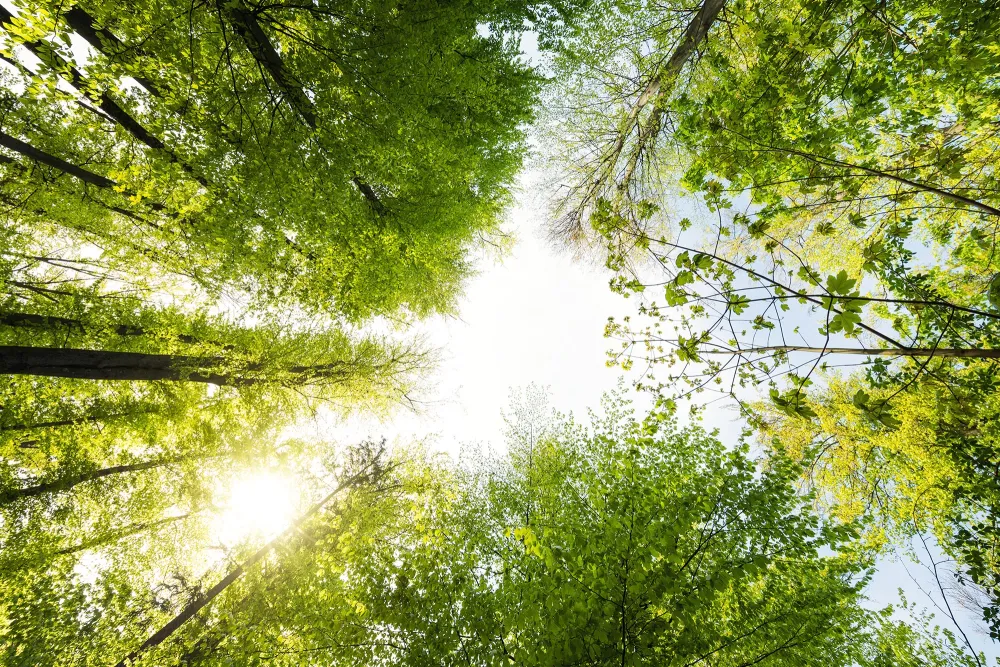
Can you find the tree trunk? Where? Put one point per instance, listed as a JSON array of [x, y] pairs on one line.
[[32, 320], [67, 483], [74, 422], [259, 45], [42, 157], [114, 536], [104, 365], [962, 353], [104, 41], [823, 161]]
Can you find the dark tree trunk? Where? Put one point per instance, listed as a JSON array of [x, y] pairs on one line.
[[103, 41], [68, 482], [42, 157], [104, 365], [259, 45]]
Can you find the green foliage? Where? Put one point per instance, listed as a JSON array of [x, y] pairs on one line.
[[317, 177], [838, 159]]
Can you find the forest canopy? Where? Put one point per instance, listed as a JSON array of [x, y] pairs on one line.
[[225, 222]]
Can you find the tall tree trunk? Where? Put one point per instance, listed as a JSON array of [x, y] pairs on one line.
[[236, 573], [68, 482], [104, 41], [75, 421], [42, 157], [663, 81], [104, 365], [606, 170], [961, 353], [259, 45], [35, 321]]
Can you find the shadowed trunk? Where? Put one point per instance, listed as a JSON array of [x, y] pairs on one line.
[[963, 353], [259, 45], [42, 157], [68, 482], [104, 365]]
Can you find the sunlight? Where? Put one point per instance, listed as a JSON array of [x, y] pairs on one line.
[[259, 505]]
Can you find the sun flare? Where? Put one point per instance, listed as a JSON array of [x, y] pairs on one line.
[[259, 505]]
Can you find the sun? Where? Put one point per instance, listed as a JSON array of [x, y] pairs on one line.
[[259, 505]]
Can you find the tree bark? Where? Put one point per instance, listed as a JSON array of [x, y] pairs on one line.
[[42, 157], [962, 353], [259, 45], [67, 483], [105, 365]]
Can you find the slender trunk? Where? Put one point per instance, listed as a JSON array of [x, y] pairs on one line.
[[662, 82], [259, 45], [105, 365], [235, 574], [74, 422], [42, 157], [833, 162], [67, 483], [925, 187], [962, 353], [32, 320], [104, 41]]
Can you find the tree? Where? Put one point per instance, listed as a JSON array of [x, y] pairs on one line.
[[645, 541], [814, 190], [722, 131], [281, 156], [928, 468]]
